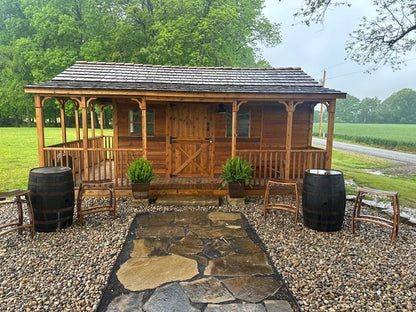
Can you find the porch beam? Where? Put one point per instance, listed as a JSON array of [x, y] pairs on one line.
[[40, 130], [330, 135]]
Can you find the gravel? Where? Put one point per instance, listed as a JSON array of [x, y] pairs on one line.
[[340, 271]]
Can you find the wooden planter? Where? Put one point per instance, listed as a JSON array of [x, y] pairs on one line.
[[140, 190], [236, 190]]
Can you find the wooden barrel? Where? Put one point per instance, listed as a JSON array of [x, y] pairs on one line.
[[323, 199], [52, 196]]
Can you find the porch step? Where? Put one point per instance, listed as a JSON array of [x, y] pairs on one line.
[[188, 200]]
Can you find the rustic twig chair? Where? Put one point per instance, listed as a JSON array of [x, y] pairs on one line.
[[20, 197], [280, 184], [96, 184], [390, 224]]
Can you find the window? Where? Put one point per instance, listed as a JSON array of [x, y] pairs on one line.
[[135, 123], [243, 124]]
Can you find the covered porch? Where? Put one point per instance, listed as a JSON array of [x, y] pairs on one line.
[[187, 122]]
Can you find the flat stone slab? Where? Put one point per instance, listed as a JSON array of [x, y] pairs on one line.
[[207, 290], [197, 262], [138, 274], [239, 265]]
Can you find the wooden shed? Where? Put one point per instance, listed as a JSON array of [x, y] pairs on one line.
[[187, 121]]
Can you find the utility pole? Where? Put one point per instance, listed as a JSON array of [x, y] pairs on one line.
[[322, 106]]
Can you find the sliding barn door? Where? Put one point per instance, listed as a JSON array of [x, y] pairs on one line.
[[191, 140]]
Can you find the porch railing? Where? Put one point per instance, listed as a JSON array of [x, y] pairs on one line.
[[104, 161], [273, 163]]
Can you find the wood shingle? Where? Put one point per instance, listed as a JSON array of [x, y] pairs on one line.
[[139, 77]]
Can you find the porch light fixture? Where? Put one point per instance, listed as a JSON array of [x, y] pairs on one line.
[[221, 109]]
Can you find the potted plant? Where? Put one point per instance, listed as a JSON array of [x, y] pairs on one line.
[[140, 173], [236, 172]]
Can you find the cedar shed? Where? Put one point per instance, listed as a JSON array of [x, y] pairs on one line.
[[187, 121]]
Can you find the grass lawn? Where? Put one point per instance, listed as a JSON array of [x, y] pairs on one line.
[[18, 154]]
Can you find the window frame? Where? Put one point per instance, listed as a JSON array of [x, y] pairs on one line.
[[150, 122], [240, 123]]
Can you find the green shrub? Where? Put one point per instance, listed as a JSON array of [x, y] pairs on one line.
[[237, 170], [140, 171]]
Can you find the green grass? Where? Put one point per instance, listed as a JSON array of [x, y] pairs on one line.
[[19, 153], [355, 167], [393, 136]]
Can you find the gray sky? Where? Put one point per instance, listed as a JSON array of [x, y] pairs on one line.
[[322, 47]]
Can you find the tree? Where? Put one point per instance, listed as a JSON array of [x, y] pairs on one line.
[[347, 109], [383, 40], [400, 107], [40, 38]]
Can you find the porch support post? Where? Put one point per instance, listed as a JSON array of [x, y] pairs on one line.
[[330, 134], [76, 108], [290, 108], [84, 109], [142, 106], [92, 120], [236, 108], [90, 104], [101, 120], [40, 130], [63, 125]]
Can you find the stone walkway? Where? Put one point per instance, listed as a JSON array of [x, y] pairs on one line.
[[194, 261]]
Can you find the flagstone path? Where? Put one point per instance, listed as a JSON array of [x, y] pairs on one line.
[[194, 261]]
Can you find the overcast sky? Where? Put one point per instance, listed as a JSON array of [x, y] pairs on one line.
[[322, 47]]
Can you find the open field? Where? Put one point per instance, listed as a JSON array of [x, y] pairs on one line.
[[397, 136], [18, 154]]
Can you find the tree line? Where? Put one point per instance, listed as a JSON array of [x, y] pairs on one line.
[[41, 38], [398, 108]]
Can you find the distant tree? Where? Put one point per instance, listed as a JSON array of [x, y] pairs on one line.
[[347, 109], [382, 40], [367, 111], [400, 107]]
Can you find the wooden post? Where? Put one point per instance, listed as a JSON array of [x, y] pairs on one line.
[[330, 134], [63, 125], [234, 129], [236, 108], [92, 120], [290, 108], [142, 106], [39, 129], [101, 120], [84, 107], [77, 131]]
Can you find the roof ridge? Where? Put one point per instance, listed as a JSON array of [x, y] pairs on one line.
[[185, 67]]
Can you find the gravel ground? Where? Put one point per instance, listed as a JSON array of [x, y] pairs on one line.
[[67, 270]]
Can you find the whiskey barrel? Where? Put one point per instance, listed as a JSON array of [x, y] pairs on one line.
[[52, 196], [323, 199]]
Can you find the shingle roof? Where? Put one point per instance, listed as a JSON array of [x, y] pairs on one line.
[[120, 76]]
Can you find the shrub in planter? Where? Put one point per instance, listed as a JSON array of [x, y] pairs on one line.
[[236, 172], [140, 173]]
